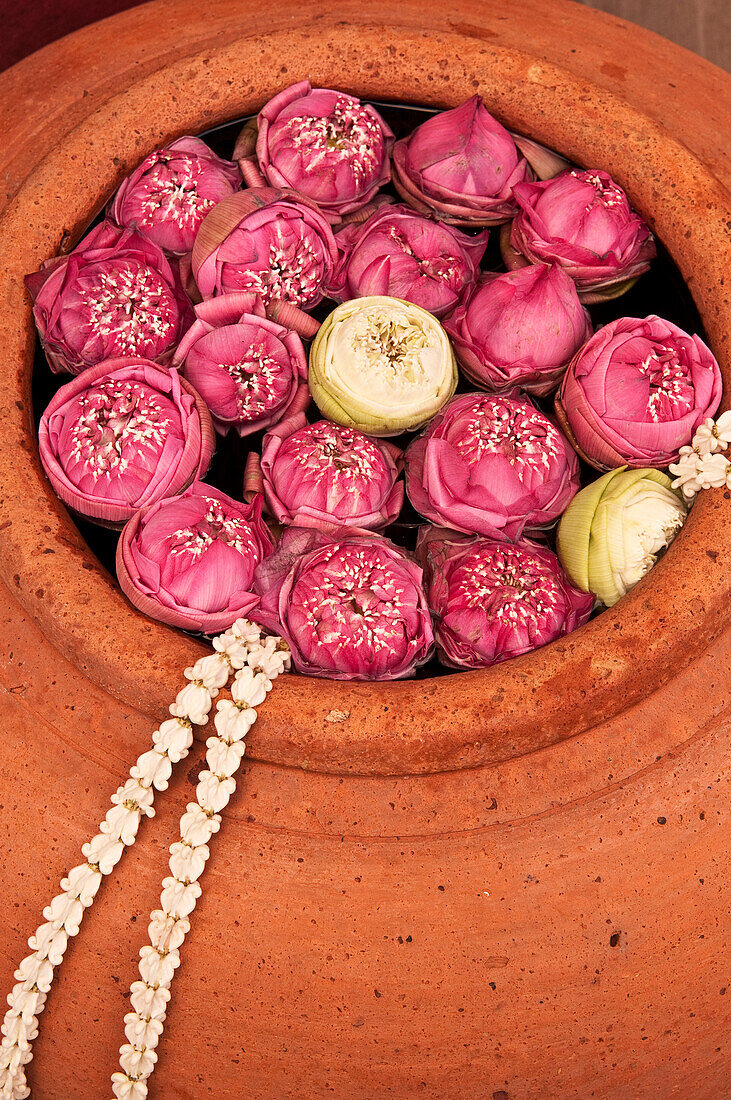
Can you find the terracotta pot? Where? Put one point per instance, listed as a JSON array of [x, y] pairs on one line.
[[505, 884]]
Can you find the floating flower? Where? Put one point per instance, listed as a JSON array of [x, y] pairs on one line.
[[276, 243], [404, 255], [713, 435], [250, 371], [493, 600], [381, 365], [636, 392], [326, 145], [122, 435], [695, 471], [613, 530], [460, 165], [115, 295], [519, 329], [583, 221], [189, 560], [171, 192], [350, 605], [492, 466], [325, 473]]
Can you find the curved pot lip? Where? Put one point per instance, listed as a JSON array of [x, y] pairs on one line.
[[446, 723]]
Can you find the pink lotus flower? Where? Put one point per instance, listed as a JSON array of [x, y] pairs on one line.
[[461, 165], [171, 192], [115, 295], [189, 560], [350, 605], [122, 435], [492, 466], [324, 473], [250, 371], [583, 221], [403, 255], [325, 144], [636, 392], [519, 329], [275, 243], [493, 600]]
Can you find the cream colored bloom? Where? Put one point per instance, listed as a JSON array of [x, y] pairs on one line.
[[381, 366]]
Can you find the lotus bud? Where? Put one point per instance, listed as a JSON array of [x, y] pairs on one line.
[[404, 255], [326, 145], [544, 161], [122, 435], [275, 243], [350, 605], [636, 392], [492, 600], [461, 166], [381, 365], [115, 295], [519, 330], [492, 466], [168, 196], [189, 560], [582, 221], [249, 370], [325, 473], [614, 530]]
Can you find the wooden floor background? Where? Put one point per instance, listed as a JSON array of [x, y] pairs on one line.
[[703, 26]]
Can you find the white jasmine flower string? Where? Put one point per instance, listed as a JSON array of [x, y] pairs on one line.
[[702, 465], [133, 800], [169, 924]]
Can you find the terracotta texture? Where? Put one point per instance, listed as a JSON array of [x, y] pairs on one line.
[[509, 883]]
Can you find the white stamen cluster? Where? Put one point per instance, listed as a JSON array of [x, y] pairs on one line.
[[258, 663], [391, 346], [118, 421], [214, 526], [352, 600], [350, 456], [702, 464], [239, 648], [508, 585], [349, 133], [606, 193], [254, 376], [524, 436], [447, 268], [295, 269], [172, 194], [129, 305], [670, 393]]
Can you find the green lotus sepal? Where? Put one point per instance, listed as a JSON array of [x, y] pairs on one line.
[[614, 530]]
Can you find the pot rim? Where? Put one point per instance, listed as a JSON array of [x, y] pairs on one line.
[[408, 727]]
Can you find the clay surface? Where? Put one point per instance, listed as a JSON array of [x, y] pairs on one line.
[[509, 883]]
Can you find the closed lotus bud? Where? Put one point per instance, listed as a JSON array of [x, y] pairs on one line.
[[403, 255], [250, 371], [171, 192], [115, 295], [350, 605], [519, 329], [492, 466], [276, 243], [326, 145], [325, 473], [381, 365], [614, 530], [189, 560], [492, 600], [461, 166], [122, 435], [582, 221], [636, 392]]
